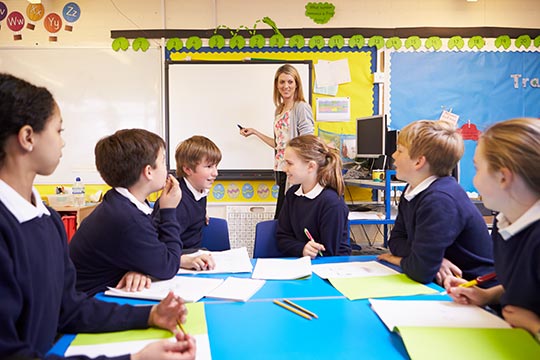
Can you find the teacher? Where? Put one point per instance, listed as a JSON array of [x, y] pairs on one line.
[[293, 117]]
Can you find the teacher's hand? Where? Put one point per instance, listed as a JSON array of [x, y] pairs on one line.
[[247, 132]]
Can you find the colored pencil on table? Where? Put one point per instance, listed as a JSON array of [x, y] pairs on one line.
[[301, 308], [290, 308]]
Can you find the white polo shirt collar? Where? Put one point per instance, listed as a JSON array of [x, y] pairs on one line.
[[411, 194], [19, 207], [197, 194], [143, 206], [312, 194], [507, 230]]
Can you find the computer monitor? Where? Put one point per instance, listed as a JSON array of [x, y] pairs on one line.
[[370, 136]]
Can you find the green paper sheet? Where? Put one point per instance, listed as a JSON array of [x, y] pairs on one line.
[[379, 286], [468, 343], [195, 325]]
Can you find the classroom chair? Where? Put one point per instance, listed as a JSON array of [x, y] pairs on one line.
[[265, 240], [215, 235]]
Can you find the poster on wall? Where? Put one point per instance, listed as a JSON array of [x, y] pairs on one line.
[[482, 87]]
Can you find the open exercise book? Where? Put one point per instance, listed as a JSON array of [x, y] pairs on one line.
[[131, 341], [228, 261], [194, 288], [447, 330], [369, 279]]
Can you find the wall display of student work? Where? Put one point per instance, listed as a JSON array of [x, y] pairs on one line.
[[99, 91], [481, 87]]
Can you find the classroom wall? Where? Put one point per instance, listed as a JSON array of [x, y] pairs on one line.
[[99, 17]]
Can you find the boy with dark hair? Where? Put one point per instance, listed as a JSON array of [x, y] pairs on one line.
[[438, 230], [196, 167], [119, 244]]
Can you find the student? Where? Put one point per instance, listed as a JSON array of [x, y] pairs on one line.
[[508, 178], [315, 202], [196, 167], [39, 298], [118, 244], [438, 230], [293, 117]]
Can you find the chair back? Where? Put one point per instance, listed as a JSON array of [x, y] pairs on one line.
[[215, 235], [265, 240]]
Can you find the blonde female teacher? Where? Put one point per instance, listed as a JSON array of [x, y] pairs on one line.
[[293, 117]]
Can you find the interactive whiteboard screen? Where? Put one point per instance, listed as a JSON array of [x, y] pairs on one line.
[[98, 91], [211, 98]]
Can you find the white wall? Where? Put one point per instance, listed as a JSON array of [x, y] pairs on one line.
[[99, 17]]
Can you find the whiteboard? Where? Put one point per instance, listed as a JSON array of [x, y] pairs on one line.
[[98, 91], [211, 98]]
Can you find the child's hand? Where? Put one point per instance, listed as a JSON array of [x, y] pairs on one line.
[[198, 263], [134, 281], [447, 269], [389, 258], [521, 318], [168, 313], [312, 249], [184, 348], [171, 194]]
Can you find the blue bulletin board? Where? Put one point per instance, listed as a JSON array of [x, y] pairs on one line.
[[481, 87]]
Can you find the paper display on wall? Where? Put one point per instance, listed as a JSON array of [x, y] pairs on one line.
[[333, 109], [331, 73]]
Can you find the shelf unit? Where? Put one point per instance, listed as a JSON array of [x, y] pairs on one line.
[[377, 186]]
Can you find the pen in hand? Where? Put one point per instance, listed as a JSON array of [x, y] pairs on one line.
[[479, 280], [308, 234]]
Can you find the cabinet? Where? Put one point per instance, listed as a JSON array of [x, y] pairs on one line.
[[377, 186], [72, 216]]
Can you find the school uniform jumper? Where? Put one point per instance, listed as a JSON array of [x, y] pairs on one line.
[[38, 293], [325, 217], [117, 237], [441, 222], [191, 215], [517, 264]]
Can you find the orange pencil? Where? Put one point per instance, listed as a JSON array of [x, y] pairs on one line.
[[290, 308], [301, 308]]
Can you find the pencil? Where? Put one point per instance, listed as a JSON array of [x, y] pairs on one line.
[[181, 327], [306, 316], [308, 234], [479, 280], [301, 308]]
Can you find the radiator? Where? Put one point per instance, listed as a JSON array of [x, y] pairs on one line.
[[242, 221]]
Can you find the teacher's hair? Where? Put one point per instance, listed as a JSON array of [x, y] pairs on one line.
[[311, 148]]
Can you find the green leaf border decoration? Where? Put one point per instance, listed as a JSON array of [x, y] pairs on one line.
[[316, 41], [120, 43], [336, 41], [413, 42], [216, 41], [357, 41], [140, 43], [257, 41], [377, 41], [523, 40], [394, 42], [297, 41], [237, 42], [504, 41], [476, 42], [174, 43], [194, 42], [456, 42], [434, 42]]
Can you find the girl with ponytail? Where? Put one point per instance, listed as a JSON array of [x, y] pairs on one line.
[[314, 203]]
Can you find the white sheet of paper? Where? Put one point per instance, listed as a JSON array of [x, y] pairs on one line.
[[228, 261], [239, 289], [352, 269], [191, 289], [331, 73], [365, 215], [131, 347], [282, 269], [434, 313]]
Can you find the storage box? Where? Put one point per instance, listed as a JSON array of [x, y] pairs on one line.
[[60, 200]]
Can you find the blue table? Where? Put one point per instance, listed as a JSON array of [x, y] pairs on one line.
[[260, 329]]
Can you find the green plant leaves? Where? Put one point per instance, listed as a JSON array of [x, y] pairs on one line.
[[277, 40], [120, 43], [504, 41], [237, 42]]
